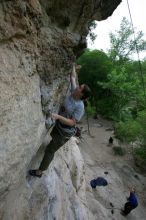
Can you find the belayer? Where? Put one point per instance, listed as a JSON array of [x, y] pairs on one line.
[[70, 112], [132, 203]]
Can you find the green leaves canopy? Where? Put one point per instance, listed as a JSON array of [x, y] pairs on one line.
[[125, 43], [95, 67]]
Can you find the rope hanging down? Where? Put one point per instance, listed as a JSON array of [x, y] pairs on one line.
[[139, 62]]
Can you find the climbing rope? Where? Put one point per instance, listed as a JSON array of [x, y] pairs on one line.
[[139, 62]]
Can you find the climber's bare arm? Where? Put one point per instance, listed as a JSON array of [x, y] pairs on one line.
[[66, 121]]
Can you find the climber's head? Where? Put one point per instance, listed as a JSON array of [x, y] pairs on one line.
[[82, 92]]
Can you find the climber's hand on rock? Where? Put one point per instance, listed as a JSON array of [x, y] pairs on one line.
[[55, 116]]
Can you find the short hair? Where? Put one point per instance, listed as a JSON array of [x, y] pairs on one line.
[[86, 92], [133, 190]]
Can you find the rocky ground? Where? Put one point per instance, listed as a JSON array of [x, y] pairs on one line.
[[120, 172]]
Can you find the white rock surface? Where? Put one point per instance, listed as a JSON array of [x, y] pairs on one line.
[[59, 194], [21, 120]]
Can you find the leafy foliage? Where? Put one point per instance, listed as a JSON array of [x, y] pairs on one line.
[[128, 131], [141, 152], [95, 67], [141, 119], [118, 84], [124, 44], [140, 158], [132, 129], [90, 110]]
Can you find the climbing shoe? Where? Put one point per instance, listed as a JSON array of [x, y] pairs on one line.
[[36, 173], [122, 213]]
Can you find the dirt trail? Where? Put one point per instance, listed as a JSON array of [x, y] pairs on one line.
[[99, 158]]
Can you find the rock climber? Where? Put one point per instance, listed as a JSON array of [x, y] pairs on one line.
[[70, 112]]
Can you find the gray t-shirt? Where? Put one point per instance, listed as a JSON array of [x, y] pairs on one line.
[[72, 109]]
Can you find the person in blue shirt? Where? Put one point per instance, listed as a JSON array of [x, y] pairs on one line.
[[70, 113], [132, 203]]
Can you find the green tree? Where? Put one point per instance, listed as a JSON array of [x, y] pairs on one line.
[[123, 91], [126, 81], [124, 44], [115, 79], [95, 67]]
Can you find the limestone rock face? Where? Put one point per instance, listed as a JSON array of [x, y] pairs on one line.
[[59, 194], [39, 41]]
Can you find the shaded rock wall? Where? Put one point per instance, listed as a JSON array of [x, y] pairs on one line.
[[39, 41]]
